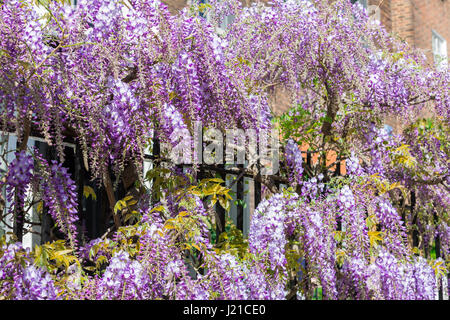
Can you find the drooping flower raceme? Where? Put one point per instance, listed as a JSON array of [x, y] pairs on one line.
[[294, 160], [59, 193], [20, 279], [124, 279], [18, 178]]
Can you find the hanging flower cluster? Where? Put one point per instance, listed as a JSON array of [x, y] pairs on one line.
[[20, 279], [18, 179], [60, 196], [124, 279], [387, 278], [20, 170], [294, 160]]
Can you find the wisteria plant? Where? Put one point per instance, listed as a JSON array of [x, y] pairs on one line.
[[112, 76]]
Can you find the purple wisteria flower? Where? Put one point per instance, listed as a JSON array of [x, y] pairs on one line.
[[20, 170], [124, 279], [294, 160], [20, 279]]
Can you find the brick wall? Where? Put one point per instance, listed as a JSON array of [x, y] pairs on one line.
[[385, 12], [175, 5], [402, 19], [414, 20], [430, 15]]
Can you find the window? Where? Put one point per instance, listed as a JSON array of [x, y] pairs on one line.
[[202, 14], [439, 46], [362, 2], [227, 21], [389, 130]]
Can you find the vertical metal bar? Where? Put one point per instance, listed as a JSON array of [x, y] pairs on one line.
[[46, 221], [79, 177], [415, 234], [338, 169], [308, 161], [220, 225], [437, 241], [156, 151], [257, 183], [19, 211], [437, 246], [257, 192], [240, 200]]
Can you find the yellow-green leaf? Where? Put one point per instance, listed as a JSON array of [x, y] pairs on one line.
[[39, 206], [158, 208], [375, 236]]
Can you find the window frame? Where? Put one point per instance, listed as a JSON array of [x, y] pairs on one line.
[[439, 49]]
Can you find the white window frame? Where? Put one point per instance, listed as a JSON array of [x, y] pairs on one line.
[[9, 145], [439, 48]]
